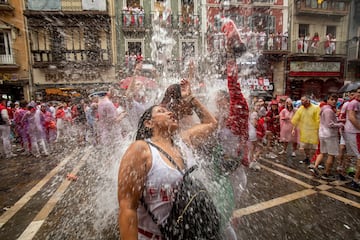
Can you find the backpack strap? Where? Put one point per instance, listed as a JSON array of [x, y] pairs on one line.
[[142, 200], [191, 169], [167, 156]]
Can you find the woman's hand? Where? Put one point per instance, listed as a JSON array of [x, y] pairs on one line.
[[185, 88]]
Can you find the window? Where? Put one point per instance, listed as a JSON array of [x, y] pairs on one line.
[[324, 4], [74, 41], [331, 30], [6, 55], [133, 3], [217, 22], [303, 30], [314, 4], [262, 23], [338, 5], [134, 47], [40, 43], [161, 5], [187, 7], [188, 50], [238, 20], [5, 43]]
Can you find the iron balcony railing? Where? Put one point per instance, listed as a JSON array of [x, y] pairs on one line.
[[9, 59], [47, 57], [254, 42], [137, 20], [319, 47], [329, 7]]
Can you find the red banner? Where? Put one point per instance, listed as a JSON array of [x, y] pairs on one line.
[[315, 74]]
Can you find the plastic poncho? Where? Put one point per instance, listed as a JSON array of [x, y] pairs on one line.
[[308, 122]]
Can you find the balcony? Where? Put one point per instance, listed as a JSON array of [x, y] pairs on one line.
[[328, 7], [255, 43], [45, 58], [9, 61], [135, 21], [307, 47], [5, 6], [189, 23]]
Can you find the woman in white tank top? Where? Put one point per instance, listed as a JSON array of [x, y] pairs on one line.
[[144, 172]]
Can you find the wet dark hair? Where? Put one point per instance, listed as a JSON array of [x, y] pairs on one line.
[[144, 132], [331, 95], [172, 99]]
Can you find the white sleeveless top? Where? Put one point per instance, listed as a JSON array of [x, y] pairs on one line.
[[159, 185]]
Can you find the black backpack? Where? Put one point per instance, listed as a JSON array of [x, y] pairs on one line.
[[193, 215]]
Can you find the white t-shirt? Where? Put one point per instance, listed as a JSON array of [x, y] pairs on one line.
[[159, 186]]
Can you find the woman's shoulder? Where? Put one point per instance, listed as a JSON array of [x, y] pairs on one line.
[[140, 145], [137, 152]]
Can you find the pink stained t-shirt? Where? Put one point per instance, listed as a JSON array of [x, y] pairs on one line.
[[354, 105]]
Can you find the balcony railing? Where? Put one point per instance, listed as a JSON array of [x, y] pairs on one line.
[[82, 57], [139, 21], [319, 47], [135, 20], [9, 59], [329, 7], [254, 42], [188, 23]]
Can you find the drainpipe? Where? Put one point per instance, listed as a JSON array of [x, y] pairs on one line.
[[30, 70]]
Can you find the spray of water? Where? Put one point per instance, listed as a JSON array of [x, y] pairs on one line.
[[96, 204]]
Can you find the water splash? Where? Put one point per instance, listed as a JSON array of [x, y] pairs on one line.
[[95, 202]]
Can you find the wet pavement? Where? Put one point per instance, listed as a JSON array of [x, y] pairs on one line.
[[281, 201]]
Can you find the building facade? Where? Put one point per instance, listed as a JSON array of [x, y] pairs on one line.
[[14, 67], [163, 32], [71, 46], [263, 27], [319, 34]]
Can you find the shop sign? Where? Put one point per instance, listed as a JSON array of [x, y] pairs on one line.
[[260, 83], [304, 68], [9, 76], [70, 76]]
